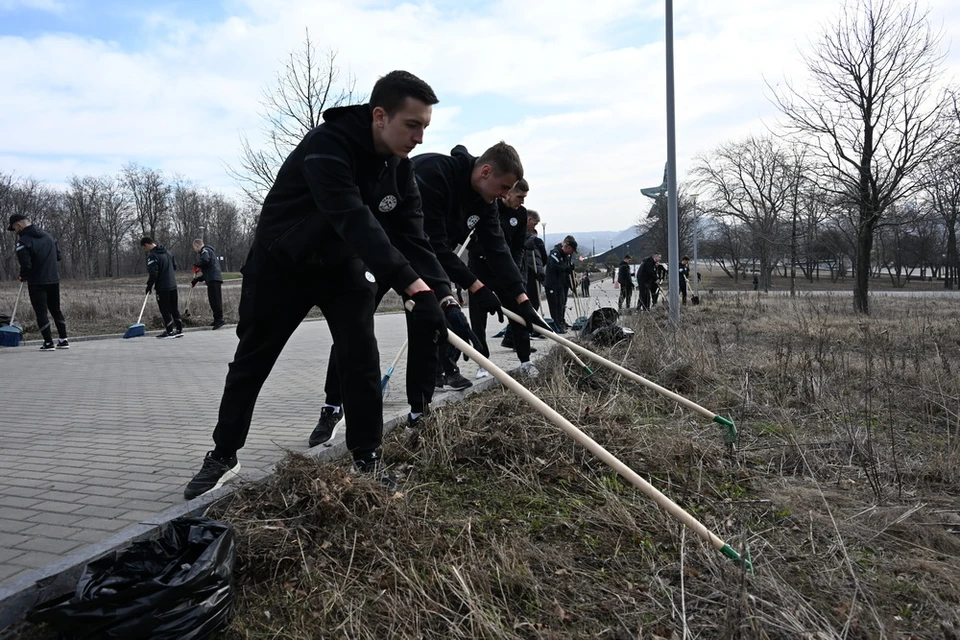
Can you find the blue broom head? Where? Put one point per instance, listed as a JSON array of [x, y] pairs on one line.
[[10, 336], [135, 331]]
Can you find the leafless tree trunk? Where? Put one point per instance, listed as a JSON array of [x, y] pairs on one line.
[[115, 221], [308, 84], [151, 197], [868, 113]]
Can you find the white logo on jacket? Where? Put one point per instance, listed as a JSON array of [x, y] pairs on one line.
[[472, 221], [388, 203], [513, 222]]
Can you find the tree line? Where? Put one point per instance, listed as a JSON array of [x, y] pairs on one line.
[[98, 220]]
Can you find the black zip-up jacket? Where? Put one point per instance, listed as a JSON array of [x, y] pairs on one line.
[[451, 208], [335, 197], [209, 265], [623, 275], [513, 224], [535, 255], [559, 268], [160, 267], [38, 255], [647, 273]]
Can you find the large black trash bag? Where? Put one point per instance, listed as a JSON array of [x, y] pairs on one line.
[[602, 329], [179, 586]]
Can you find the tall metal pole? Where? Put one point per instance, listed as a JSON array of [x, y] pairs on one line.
[[673, 234], [696, 225]]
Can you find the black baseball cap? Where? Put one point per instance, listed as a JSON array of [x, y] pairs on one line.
[[17, 217]]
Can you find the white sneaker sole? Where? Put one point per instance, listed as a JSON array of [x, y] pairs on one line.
[[333, 436], [225, 478]]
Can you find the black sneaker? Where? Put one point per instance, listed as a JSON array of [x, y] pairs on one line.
[[370, 463], [456, 381], [217, 325], [326, 429], [48, 346], [441, 380], [167, 335], [212, 475], [507, 345], [63, 344], [178, 333]]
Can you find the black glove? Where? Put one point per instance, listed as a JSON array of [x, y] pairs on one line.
[[426, 312], [458, 323], [149, 289], [194, 282], [487, 301], [528, 313], [541, 276]]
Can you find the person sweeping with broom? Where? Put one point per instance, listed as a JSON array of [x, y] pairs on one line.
[[38, 255]]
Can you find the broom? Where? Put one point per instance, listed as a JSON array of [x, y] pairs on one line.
[[138, 329], [10, 334]]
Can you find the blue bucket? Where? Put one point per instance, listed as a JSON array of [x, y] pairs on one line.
[[10, 336]]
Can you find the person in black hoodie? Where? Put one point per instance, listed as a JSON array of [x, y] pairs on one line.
[[209, 266], [534, 258], [160, 267], [460, 194], [625, 280], [513, 223], [344, 201], [647, 280], [557, 281], [38, 255]]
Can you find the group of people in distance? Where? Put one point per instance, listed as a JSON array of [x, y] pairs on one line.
[[650, 274], [38, 254]]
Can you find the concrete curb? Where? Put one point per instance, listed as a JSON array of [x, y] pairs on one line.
[[22, 594]]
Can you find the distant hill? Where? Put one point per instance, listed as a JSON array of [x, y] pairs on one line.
[[587, 240]]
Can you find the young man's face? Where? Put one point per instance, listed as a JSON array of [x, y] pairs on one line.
[[198, 247], [656, 258], [514, 198], [567, 249], [492, 185], [400, 133]]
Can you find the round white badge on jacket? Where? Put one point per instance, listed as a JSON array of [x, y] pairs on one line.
[[472, 221], [369, 276], [388, 203], [513, 222]]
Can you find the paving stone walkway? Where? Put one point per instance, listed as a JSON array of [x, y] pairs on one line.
[[105, 436]]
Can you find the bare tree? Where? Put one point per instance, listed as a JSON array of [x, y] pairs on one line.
[[115, 222], [752, 182], [308, 84], [868, 113], [151, 197]]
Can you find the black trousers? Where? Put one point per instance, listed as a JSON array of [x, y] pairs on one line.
[[683, 291], [167, 301], [557, 302], [46, 297], [422, 358], [478, 318], [273, 303], [215, 297], [533, 289], [626, 295], [643, 295]]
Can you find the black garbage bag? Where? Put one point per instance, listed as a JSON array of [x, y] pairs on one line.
[[602, 329], [178, 586]]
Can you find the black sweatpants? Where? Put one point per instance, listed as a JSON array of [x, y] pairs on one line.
[[626, 296], [273, 303], [167, 301], [644, 290], [46, 297], [478, 317], [422, 358], [215, 298], [557, 301], [533, 289]]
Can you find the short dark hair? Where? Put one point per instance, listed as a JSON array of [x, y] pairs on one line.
[[145, 240], [687, 258], [522, 185], [390, 91], [503, 158], [571, 241], [627, 257], [533, 214]]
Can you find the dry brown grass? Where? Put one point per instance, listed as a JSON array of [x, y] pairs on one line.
[[844, 491]]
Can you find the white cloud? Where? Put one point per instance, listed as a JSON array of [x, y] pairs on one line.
[[591, 130], [49, 6]]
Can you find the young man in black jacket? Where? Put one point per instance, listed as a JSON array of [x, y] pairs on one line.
[[625, 280], [344, 202], [557, 282], [38, 255], [513, 224], [209, 265], [160, 267], [534, 259]]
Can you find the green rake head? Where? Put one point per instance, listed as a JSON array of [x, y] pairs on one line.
[[731, 434]]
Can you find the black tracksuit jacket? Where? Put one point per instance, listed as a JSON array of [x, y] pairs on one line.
[[160, 267], [451, 208], [647, 273], [351, 213], [209, 265], [623, 275], [38, 255], [513, 224], [559, 268]]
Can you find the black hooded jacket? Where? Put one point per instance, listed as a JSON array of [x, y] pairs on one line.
[[209, 265], [513, 224], [160, 267], [335, 197], [451, 208], [623, 275], [559, 268], [647, 273], [38, 255]]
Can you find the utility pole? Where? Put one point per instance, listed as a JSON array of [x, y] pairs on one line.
[[673, 233], [696, 224]]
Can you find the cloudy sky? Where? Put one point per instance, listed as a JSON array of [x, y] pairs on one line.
[[578, 87]]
